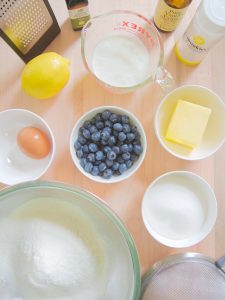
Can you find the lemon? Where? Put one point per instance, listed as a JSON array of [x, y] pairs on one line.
[[45, 75]]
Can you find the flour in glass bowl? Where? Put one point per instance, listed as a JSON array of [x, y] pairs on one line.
[[121, 61], [49, 258]]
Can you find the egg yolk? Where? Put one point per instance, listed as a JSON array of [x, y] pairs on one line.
[[34, 142]]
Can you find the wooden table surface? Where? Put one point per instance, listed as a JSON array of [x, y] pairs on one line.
[[83, 93]]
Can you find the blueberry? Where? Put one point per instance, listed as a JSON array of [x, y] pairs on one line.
[[126, 156], [77, 145], [79, 153], [126, 128], [111, 155], [83, 162], [102, 167], [91, 157], [133, 157], [112, 140], [107, 174], [125, 119], [99, 155], [117, 127], [85, 149], [138, 149], [88, 167], [95, 171], [124, 148], [93, 129], [115, 166], [93, 147], [106, 149], [113, 118], [87, 124], [100, 125], [105, 135], [122, 136], [107, 129], [129, 164], [98, 117], [109, 163], [115, 133], [130, 147], [86, 133], [134, 129], [104, 142], [122, 168], [116, 149], [93, 121], [108, 123], [96, 136], [82, 140], [97, 163], [130, 136], [120, 160], [106, 114]]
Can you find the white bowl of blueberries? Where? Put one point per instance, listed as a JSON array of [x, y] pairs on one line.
[[108, 144]]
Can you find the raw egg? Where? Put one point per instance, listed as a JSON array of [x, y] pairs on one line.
[[34, 142]]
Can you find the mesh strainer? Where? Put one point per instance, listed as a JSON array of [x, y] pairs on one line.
[[28, 26], [189, 276]]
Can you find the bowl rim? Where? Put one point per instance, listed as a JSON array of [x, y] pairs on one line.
[[134, 120], [51, 138], [156, 122], [197, 237], [102, 205]]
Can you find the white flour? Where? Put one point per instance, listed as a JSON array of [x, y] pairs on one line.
[[121, 61], [46, 255]]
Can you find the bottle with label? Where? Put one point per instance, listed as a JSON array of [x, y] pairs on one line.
[[204, 31], [169, 13], [78, 12]]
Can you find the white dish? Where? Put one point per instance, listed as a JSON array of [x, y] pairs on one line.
[[179, 209], [15, 166], [214, 135], [88, 116]]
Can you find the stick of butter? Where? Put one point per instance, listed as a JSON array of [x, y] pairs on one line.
[[188, 124]]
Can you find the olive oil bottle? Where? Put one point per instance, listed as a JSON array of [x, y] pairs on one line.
[[169, 13], [78, 12]]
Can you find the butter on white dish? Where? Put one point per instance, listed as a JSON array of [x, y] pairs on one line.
[[188, 124]]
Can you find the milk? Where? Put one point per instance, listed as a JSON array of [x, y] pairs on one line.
[[121, 61]]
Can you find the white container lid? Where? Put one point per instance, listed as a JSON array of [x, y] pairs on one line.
[[211, 15]]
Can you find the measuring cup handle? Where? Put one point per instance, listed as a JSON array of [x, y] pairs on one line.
[[165, 80]]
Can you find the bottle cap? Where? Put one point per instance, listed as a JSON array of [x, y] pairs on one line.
[[212, 15]]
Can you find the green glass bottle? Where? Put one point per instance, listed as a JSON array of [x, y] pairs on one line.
[[78, 12]]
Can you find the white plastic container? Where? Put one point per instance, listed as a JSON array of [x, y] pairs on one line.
[[205, 30]]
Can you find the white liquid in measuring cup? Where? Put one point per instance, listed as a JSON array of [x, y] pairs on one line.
[[121, 61]]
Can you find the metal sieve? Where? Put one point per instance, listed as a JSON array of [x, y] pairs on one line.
[[28, 26], [189, 276]]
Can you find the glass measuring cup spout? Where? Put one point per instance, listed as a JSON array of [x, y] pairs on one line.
[[123, 51]]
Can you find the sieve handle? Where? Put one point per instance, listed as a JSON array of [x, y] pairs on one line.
[[220, 263]]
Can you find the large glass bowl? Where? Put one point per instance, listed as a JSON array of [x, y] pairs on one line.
[[38, 221]]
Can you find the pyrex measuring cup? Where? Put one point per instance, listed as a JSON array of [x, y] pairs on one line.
[[124, 51]]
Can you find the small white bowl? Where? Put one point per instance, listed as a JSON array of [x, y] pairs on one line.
[[179, 209], [214, 135], [88, 116], [15, 166]]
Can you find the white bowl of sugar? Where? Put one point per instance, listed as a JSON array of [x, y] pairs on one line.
[[179, 209]]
